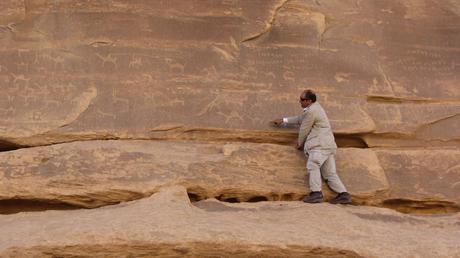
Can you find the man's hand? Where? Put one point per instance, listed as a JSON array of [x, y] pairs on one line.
[[277, 122]]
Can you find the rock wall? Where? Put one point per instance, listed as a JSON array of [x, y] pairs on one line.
[[386, 72], [109, 101]]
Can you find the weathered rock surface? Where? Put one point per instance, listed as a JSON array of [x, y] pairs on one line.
[[189, 86], [386, 70], [168, 224], [427, 175], [96, 173]]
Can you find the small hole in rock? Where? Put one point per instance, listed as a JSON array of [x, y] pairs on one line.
[[194, 197], [231, 200], [258, 199], [287, 197], [11, 206], [9, 146]]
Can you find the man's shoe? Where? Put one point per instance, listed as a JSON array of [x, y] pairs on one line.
[[314, 197], [342, 198]]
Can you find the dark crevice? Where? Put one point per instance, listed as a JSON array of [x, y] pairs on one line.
[[283, 137], [258, 199], [224, 198], [401, 205], [10, 146], [179, 249], [421, 207], [269, 24], [194, 197], [287, 197], [400, 100], [350, 141], [11, 206], [230, 200]]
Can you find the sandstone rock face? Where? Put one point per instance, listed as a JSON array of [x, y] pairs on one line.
[[96, 173], [118, 99], [72, 70], [168, 224]]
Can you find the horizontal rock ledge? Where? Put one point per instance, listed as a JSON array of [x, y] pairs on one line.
[[96, 173], [178, 132], [181, 132], [184, 249], [168, 218]]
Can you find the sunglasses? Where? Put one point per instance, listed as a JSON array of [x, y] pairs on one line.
[[301, 99]]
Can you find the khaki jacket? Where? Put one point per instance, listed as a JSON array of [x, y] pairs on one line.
[[315, 130]]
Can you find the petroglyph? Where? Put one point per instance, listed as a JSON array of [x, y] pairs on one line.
[[271, 74], [120, 100], [106, 114], [162, 99], [52, 103], [107, 59], [135, 62], [225, 55], [36, 116], [58, 60], [234, 44], [148, 77], [289, 76], [211, 73], [386, 79], [3, 68], [233, 115], [30, 98], [20, 78], [174, 66], [223, 100], [342, 77], [50, 110], [8, 112]]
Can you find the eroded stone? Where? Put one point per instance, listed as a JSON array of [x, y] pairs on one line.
[[96, 173], [89, 69], [286, 228]]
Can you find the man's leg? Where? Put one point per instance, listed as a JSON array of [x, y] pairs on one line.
[[328, 170], [329, 173], [315, 160]]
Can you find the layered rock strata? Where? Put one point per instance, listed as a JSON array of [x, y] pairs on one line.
[[168, 224], [385, 71], [96, 173], [180, 93]]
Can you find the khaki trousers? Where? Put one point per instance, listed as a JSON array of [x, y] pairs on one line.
[[322, 162]]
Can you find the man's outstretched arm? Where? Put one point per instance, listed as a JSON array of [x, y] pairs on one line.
[[288, 120]]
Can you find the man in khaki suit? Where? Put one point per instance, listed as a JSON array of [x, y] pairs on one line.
[[317, 141]]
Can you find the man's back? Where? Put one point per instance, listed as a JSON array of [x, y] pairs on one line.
[[317, 128]]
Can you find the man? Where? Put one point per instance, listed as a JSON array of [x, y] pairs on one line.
[[317, 142]]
